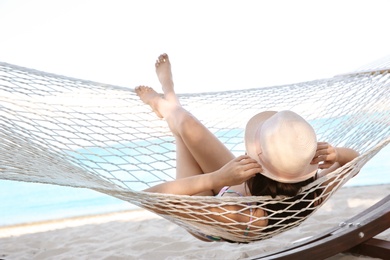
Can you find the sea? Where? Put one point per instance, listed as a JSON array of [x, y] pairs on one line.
[[23, 203]]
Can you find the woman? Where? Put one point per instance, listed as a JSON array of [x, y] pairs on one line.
[[282, 153]]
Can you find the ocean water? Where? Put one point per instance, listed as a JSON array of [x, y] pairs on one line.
[[22, 202]]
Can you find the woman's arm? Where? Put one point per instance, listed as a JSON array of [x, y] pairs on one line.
[[345, 155], [331, 158], [186, 186], [233, 173]]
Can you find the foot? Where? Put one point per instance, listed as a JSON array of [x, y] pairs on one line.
[[150, 97], [164, 74]]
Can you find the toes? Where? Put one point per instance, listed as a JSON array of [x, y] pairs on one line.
[[141, 89], [138, 90], [161, 59]]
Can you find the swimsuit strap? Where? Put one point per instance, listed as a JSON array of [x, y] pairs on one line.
[[226, 190], [223, 191], [250, 221]]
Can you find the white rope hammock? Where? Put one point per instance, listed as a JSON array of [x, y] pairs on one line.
[[66, 131]]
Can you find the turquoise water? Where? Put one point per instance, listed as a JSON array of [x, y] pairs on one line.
[[23, 202]]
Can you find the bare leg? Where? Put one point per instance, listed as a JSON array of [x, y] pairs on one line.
[[164, 74], [198, 150]]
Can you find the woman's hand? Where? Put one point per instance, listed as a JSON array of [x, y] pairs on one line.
[[326, 155], [237, 171]]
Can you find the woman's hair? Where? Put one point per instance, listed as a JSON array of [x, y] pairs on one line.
[[261, 185]]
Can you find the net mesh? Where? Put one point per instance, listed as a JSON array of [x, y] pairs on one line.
[[71, 132]]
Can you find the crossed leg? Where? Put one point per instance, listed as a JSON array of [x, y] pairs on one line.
[[198, 151]]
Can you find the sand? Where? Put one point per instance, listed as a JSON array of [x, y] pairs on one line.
[[140, 234]]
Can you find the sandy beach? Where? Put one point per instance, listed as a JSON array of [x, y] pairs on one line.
[[140, 234]]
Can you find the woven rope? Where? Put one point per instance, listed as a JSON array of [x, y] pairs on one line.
[[66, 131]]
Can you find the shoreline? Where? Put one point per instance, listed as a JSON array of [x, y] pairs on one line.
[[55, 224], [140, 234]]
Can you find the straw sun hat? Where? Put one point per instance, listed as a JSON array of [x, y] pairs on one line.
[[283, 143]]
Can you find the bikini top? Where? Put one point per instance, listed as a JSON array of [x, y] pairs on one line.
[[225, 190]]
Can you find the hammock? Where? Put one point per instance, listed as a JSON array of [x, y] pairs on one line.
[[65, 131]]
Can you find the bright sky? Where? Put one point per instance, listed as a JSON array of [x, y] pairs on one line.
[[213, 45]]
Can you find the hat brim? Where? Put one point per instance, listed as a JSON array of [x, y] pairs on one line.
[[252, 129]]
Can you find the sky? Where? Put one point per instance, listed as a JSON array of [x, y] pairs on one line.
[[214, 45]]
